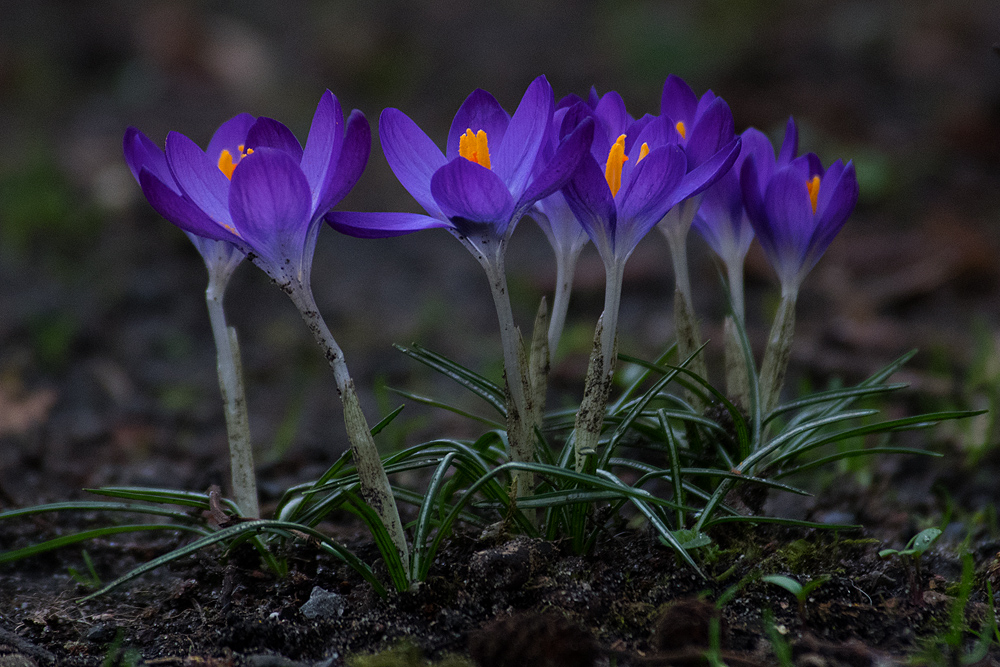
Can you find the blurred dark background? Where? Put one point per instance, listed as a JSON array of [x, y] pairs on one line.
[[106, 361]]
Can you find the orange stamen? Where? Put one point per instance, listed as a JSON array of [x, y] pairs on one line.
[[813, 187], [474, 147], [226, 162], [643, 152], [613, 168], [681, 129]]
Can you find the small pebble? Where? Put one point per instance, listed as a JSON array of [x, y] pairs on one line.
[[323, 604]]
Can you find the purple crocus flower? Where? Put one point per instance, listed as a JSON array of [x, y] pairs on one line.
[[492, 172], [635, 172], [255, 187], [704, 127], [722, 219], [796, 208]]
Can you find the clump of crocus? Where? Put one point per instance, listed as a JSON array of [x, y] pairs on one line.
[[723, 222], [259, 190], [492, 172], [796, 209], [635, 173], [704, 127]]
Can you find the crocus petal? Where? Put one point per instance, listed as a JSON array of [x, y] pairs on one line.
[[790, 145], [515, 153], [353, 157], [181, 211], [270, 204], [267, 132], [199, 177], [381, 225], [323, 146], [651, 191], [834, 208], [141, 153], [480, 111], [230, 136], [659, 131], [614, 117], [561, 167], [751, 186], [472, 196], [589, 197], [790, 218], [709, 133], [678, 101], [705, 175], [412, 156]]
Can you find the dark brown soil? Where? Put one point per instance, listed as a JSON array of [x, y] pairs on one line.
[[515, 602]]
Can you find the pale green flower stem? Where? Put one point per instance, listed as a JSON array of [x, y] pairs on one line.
[[737, 373], [779, 347], [233, 397], [675, 226], [600, 370], [565, 269], [375, 488], [520, 429]]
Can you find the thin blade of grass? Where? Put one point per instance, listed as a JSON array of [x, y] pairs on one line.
[[853, 454], [97, 506], [477, 384], [84, 535], [398, 573], [258, 526], [424, 400]]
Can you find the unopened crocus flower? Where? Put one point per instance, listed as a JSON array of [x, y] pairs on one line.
[[258, 189], [796, 210], [704, 127], [492, 172], [634, 173]]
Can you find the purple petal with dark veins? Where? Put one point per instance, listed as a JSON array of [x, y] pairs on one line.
[[589, 197], [352, 158], [181, 211], [412, 156], [651, 191], [323, 146], [469, 193], [561, 167], [713, 130], [199, 177], [514, 156], [270, 204]]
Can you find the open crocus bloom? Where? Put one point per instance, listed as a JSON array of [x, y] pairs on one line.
[[492, 171], [796, 210], [635, 172], [255, 187]]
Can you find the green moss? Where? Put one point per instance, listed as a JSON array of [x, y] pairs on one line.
[[405, 654]]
